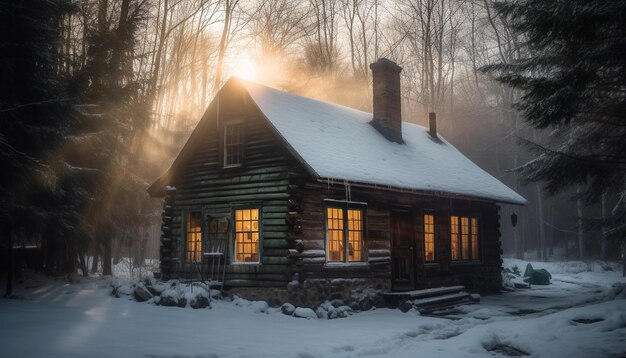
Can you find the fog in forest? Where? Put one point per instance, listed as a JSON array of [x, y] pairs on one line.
[[140, 73]]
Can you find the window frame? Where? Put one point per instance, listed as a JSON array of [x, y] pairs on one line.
[[470, 232], [345, 206], [233, 235], [223, 150], [185, 220], [434, 261]]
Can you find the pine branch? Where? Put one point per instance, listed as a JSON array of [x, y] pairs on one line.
[[20, 106]]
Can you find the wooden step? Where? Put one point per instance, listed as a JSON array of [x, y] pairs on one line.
[[431, 304], [430, 300], [393, 298]]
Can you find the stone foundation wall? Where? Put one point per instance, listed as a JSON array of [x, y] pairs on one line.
[[311, 293]]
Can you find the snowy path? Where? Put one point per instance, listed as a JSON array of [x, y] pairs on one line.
[[81, 320]]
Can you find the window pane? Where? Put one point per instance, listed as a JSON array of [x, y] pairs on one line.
[[454, 237], [474, 238], [247, 235], [193, 240], [334, 219], [465, 238], [233, 144], [355, 235], [429, 238]]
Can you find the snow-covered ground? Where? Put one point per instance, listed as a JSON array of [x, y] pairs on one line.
[[581, 314]]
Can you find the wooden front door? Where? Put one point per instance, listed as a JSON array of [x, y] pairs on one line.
[[402, 251]]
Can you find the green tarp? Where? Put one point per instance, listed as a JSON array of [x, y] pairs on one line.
[[537, 277]]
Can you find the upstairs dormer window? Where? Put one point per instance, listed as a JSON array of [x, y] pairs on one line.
[[233, 145]]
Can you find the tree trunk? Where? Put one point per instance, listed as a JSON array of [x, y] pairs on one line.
[[83, 264], [228, 8], [542, 232], [579, 208], [623, 259], [517, 240], [107, 269], [605, 216], [156, 66], [94, 263], [11, 266]]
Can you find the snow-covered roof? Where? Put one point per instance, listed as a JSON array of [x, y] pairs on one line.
[[338, 143]]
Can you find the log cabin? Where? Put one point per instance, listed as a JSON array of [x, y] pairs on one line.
[[304, 200]]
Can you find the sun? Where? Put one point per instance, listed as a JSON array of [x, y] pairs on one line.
[[246, 68]]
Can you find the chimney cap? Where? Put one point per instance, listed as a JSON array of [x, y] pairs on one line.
[[432, 123], [385, 62]]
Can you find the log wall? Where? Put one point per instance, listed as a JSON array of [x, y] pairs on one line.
[[262, 182], [481, 275]]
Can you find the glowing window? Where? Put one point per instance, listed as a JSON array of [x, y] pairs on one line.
[[335, 234], [247, 235], [429, 238], [355, 235], [475, 238], [454, 237], [464, 233], [193, 240], [344, 234], [465, 238], [233, 145]]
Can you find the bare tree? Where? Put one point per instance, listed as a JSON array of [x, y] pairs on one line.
[[321, 51], [277, 26]]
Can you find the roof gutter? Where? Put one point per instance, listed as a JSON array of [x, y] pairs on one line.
[[439, 194]]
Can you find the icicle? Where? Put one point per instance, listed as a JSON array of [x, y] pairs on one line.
[[348, 190]]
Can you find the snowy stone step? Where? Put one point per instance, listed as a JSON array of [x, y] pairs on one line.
[[396, 297], [428, 306], [454, 298]]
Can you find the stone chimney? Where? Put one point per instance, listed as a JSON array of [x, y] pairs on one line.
[[432, 123], [387, 102]]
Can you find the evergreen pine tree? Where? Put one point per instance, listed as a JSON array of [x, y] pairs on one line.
[[573, 82], [35, 118], [114, 111]]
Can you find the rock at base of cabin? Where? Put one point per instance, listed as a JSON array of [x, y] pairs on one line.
[[199, 301], [355, 306], [321, 313], [323, 309], [336, 296], [292, 285], [405, 306], [168, 301], [303, 312], [340, 312], [153, 290], [141, 293], [365, 299], [365, 305], [173, 297], [259, 306], [118, 290], [287, 308], [328, 310]]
